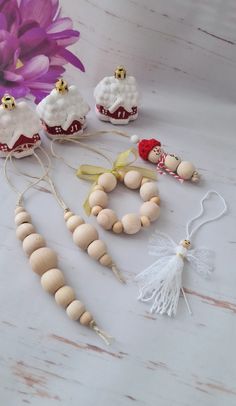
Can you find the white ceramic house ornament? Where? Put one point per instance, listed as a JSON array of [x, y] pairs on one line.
[[117, 98], [63, 111], [19, 128]]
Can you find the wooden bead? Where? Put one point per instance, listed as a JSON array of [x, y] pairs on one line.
[[86, 319], [19, 209], [107, 181], [64, 296], [117, 227], [97, 249], [33, 242], [75, 310], [23, 230], [155, 199], [106, 218], [151, 210], [145, 221], [121, 175], [98, 198], [149, 190], [42, 260], [73, 222], [22, 217], [98, 187], [133, 179], [131, 223], [84, 235], [52, 280], [145, 180], [67, 215], [185, 170], [172, 162], [95, 210], [106, 260]]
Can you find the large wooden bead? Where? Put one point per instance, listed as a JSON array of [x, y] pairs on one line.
[[22, 217], [75, 310], [98, 198], [172, 162], [84, 235], [64, 296], [185, 170], [97, 249], [107, 181], [151, 210], [73, 222], [133, 179], [42, 260], [33, 242], [86, 319], [131, 223], [23, 230], [19, 209], [106, 218], [117, 227], [67, 215], [148, 190], [106, 260], [52, 280]]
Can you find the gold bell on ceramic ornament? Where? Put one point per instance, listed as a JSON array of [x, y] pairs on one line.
[[8, 102], [61, 86], [120, 72]]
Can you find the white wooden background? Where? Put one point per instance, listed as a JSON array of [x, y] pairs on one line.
[[183, 55]]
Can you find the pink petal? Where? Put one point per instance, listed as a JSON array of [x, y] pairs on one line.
[[12, 77], [71, 58], [34, 68], [60, 25]]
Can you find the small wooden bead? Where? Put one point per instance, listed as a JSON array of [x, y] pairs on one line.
[[95, 210], [121, 175], [23, 230], [151, 210], [107, 181], [22, 217], [64, 296], [131, 223], [75, 310], [145, 221], [106, 218], [19, 209], [42, 260], [117, 227], [155, 199], [106, 260], [97, 249], [52, 280], [185, 170], [33, 242], [145, 180], [172, 162], [84, 235], [98, 198], [86, 319], [98, 187], [73, 222], [148, 190], [133, 179], [67, 215]]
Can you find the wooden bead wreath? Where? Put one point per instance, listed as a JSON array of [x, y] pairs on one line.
[[105, 181]]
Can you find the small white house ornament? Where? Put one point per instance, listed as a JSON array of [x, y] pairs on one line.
[[117, 98], [63, 112], [19, 128]]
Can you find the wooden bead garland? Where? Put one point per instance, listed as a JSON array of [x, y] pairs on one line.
[[130, 223], [43, 261]]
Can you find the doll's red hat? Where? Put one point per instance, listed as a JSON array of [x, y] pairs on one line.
[[145, 146]]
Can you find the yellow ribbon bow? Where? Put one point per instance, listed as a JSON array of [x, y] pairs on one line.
[[122, 162]]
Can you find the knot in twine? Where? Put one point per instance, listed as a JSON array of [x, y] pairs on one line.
[[122, 163]]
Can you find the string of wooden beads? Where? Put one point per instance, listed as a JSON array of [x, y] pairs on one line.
[[86, 237], [130, 223], [44, 262]]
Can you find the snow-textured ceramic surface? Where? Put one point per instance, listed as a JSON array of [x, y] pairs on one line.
[[117, 99], [19, 130], [64, 113]]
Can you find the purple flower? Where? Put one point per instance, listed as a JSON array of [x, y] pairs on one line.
[[33, 46]]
